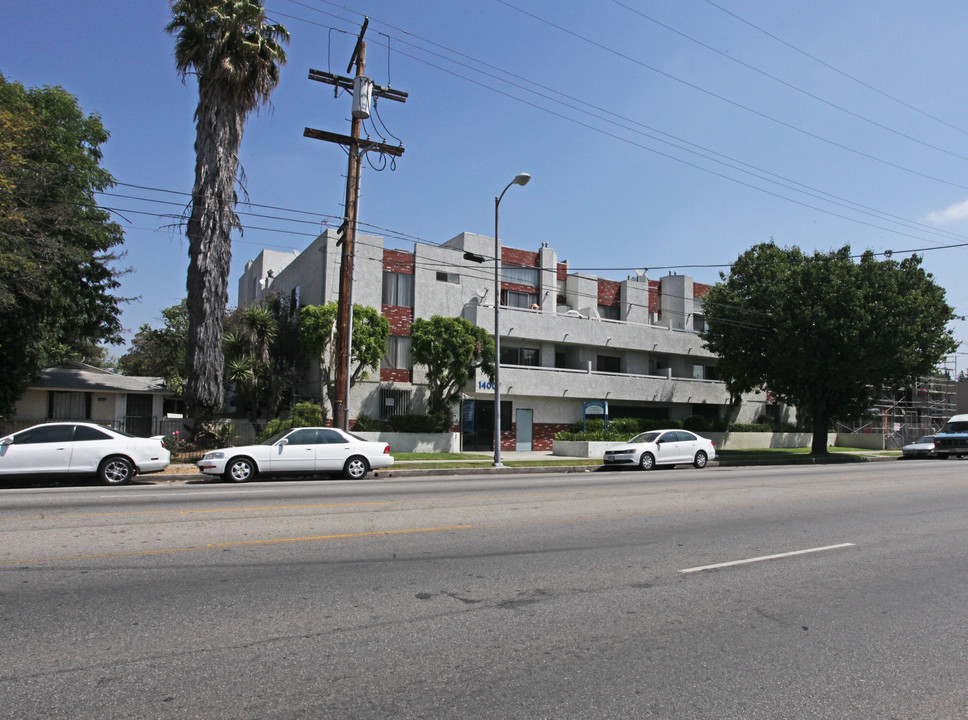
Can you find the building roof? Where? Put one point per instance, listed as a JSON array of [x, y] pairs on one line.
[[79, 376]]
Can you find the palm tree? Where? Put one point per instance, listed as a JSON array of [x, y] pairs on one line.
[[236, 57]]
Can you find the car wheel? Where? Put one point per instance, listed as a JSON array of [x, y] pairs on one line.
[[239, 470], [700, 460], [115, 471], [647, 461], [356, 468]]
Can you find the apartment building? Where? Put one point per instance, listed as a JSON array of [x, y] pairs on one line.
[[567, 339]]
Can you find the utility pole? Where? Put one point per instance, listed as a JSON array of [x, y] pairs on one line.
[[363, 89]]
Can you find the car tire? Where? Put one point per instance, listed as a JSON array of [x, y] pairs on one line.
[[356, 468], [239, 470], [115, 470], [701, 459], [647, 461]]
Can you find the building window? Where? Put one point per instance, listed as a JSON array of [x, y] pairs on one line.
[[398, 289], [609, 364], [397, 356], [448, 278], [519, 356], [699, 323], [519, 275], [609, 312], [394, 402], [513, 298], [69, 406], [703, 372]]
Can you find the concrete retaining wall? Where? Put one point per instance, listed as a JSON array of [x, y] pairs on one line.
[[416, 442], [736, 441]]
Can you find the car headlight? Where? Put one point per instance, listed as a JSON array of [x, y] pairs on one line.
[[217, 455]]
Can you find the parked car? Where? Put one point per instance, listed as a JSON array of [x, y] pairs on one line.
[[953, 438], [662, 447], [299, 451], [923, 447], [77, 449]]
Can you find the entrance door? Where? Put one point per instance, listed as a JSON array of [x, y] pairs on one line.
[[524, 420]]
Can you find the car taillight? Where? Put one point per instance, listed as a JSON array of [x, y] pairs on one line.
[[386, 450]]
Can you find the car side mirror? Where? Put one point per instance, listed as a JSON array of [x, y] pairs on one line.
[[284, 441]]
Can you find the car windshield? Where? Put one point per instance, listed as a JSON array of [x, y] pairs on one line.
[[276, 438], [960, 426], [927, 439], [645, 437]]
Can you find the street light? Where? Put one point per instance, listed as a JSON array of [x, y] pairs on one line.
[[520, 179]]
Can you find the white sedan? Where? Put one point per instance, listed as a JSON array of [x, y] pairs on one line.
[[75, 448], [662, 447], [299, 451]]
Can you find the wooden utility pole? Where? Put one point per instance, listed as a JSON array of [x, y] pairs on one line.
[[362, 88]]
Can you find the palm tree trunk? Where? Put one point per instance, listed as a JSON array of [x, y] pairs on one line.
[[218, 135]]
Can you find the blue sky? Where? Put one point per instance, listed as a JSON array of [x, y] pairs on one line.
[[666, 135]]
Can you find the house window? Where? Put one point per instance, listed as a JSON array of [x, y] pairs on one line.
[[69, 406], [397, 356], [703, 372], [394, 402], [519, 356], [609, 364], [699, 323], [397, 289], [514, 298], [448, 278], [609, 312]]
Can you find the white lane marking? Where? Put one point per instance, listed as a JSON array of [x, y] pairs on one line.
[[767, 557]]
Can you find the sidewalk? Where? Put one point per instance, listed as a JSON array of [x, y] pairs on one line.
[[482, 465]]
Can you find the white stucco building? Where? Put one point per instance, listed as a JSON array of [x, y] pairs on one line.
[[566, 338]]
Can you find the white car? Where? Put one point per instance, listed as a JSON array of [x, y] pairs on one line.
[[313, 450], [923, 447], [662, 447], [76, 448]]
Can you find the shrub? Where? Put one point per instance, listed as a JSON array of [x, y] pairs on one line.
[[420, 423], [364, 423], [697, 423], [304, 414]]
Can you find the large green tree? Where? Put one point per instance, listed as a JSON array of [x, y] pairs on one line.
[[317, 333], [235, 56], [57, 280], [823, 332], [451, 349], [160, 352]]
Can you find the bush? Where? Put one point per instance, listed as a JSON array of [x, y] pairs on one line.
[[364, 423], [420, 423], [697, 423], [304, 414]]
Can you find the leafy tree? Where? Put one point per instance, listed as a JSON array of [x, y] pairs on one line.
[[823, 333], [317, 332], [160, 352], [451, 349], [56, 278], [236, 57]]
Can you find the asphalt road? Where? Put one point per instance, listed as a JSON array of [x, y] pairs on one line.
[[537, 596]]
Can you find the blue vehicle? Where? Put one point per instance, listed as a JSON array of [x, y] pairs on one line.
[[953, 438]]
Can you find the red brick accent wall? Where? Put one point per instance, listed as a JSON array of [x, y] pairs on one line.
[[390, 375], [655, 288], [518, 287], [543, 434], [562, 270], [400, 318], [398, 261], [699, 290], [519, 257], [608, 292]]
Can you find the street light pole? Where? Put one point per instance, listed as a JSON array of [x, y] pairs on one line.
[[520, 179]]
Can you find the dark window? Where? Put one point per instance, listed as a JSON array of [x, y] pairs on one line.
[[397, 289], [519, 275], [608, 363], [514, 298], [685, 436], [83, 433], [69, 406], [519, 356], [331, 437], [302, 437], [394, 402], [609, 312], [698, 323], [448, 278], [669, 437], [44, 434]]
